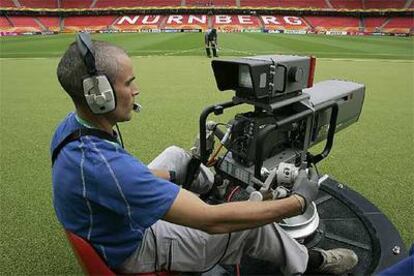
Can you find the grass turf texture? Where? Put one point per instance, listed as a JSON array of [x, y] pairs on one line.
[[373, 156]]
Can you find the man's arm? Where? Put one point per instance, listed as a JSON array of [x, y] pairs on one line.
[[189, 210]]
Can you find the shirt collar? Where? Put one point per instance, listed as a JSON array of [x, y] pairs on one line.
[[86, 124]]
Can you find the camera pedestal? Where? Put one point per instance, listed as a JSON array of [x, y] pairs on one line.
[[349, 220]]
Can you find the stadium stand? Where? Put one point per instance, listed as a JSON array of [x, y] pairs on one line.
[[224, 3], [79, 4], [213, 3], [284, 3], [385, 4], [330, 23], [398, 25], [135, 3], [374, 24], [346, 4], [5, 24], [51, 23], [88, 23], [48, 4], [24, 24], [7, 3], [388, 17]]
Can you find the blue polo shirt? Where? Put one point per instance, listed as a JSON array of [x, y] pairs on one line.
[[104, 194]]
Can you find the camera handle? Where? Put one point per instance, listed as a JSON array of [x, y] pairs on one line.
[[217, 109], [313, 159]]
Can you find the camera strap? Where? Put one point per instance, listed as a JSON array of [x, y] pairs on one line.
[[77, 134]]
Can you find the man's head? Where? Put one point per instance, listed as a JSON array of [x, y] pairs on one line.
[[111, 61]]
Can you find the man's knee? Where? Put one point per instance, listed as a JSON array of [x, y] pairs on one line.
[[172, 158], [175, 150]]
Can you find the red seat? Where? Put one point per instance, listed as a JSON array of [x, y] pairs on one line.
[[92, 263]]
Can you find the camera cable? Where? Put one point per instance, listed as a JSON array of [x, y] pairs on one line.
[[221, 257], [156, 251], [120, 135]]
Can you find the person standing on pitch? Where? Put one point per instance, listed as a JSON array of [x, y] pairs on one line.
[[210, 40]]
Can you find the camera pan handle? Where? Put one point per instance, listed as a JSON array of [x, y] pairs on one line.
[[331, 133], [217, 109]]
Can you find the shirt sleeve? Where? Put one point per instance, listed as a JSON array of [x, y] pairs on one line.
[[129, 188]]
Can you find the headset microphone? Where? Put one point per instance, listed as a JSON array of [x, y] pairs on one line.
[[137, 107]]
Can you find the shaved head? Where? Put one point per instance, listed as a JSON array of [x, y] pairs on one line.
[[72, 70]]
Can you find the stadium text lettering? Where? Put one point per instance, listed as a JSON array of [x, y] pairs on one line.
[[290, 20], [147, 19], [190, 20], [203, 19]]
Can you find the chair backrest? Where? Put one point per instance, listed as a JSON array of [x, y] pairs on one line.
[[90, 261], [93, 265]]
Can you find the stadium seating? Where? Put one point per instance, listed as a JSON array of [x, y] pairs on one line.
[[216, 3], [284, 3], [79, 4], [7, 3], [373, 24], [24, 24], [222, 22], [384, 4], [4, 23], [337, 23], [136, 3], [399, 25], [96, 23], [50, 22], [50, 4], [346, 4], [224, 3]]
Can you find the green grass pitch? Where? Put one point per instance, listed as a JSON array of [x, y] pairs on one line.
[[373, 156]]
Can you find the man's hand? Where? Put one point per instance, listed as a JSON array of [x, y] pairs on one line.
[[307, 186]]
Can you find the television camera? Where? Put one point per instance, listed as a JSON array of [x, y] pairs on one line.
[[266, 147]]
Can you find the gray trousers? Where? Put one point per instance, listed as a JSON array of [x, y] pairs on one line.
[[167, 246]]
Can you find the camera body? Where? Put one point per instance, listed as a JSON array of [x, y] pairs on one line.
[[267, 146]]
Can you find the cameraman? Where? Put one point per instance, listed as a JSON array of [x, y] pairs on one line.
[[135, 218], [210, 41]]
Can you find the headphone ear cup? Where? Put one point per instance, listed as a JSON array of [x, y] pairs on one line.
[[100, 100], [99, 94]]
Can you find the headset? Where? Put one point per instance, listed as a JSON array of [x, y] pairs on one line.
[[97, 89]]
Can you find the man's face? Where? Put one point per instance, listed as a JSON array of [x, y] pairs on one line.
[[125, 90]]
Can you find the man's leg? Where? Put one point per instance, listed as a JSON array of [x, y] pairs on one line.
[[214, 50], [173, 247], [208, 51]]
